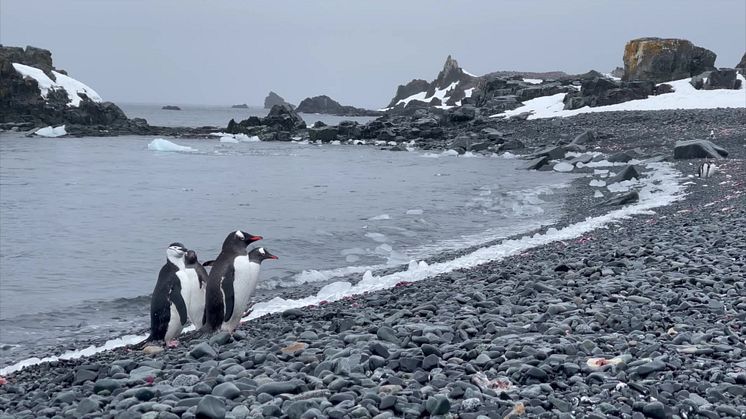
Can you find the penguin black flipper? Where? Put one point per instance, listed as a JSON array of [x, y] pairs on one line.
[[227, 287], [208, 263], [160, 309], [178, 301]]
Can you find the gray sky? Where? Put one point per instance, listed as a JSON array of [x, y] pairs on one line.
[[227, 52]]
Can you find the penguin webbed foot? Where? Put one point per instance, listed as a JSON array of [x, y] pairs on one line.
[[173, 343]]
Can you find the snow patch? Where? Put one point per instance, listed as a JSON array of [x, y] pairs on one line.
[[533, 81], [563, 167], [72, 87], [684, 96]]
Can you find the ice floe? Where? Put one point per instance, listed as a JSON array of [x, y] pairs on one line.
[[159, 144], [51, 132]]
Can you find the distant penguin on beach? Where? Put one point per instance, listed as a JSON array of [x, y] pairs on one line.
[[232, 265], [168, 307], [197, 284], [706, 169], [239, 293]]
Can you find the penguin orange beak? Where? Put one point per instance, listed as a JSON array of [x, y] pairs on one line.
[[255, 238], [273, 257]]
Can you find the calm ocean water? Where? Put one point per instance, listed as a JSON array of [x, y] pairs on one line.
[[85, 221]]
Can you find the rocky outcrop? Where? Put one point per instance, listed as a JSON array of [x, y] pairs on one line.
[[698, 149], [325, 105], [278, 125], [660, 60], [602, 92], [273, 99], [450, 88], [243, 106], [171, 108], [33, 93]]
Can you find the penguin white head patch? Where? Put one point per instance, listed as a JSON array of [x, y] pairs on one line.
[[261, 251], [239, 234]]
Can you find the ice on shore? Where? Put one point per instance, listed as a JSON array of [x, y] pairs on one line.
[[72, 87], [159, 144], [684, 96], [563, 167], [228, 139], [51, 132]]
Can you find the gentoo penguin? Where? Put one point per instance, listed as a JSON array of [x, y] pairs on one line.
[[196, 283], [706, 169], [232, 263], [238, 294], [168, 310]]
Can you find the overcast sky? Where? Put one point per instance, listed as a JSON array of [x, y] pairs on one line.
[[227, 52]]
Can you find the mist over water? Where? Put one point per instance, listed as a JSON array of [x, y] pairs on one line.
[[86, 221]]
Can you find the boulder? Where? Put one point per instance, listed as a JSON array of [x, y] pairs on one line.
[[273, 99], [623, 199], [661, 60], [601, 91], [628, 173], [536, 163], [588, 136], [552, 152], [620, 157], [324, 134], [741, 66], [698, 149], [462, 114], [724, 78]]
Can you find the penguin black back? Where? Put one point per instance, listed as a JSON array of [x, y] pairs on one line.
[[167, 291], [222, 269]]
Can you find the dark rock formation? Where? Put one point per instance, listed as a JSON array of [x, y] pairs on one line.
[[241, 106], [325, 105], [660, 60], [451, 77], [273, 99], [602, 92], [276, 126], [623, 199], [171, 108], [724, 78], [741, 66], [618, 72], [698, 149], [22, 105]]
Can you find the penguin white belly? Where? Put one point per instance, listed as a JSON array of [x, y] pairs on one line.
[[174, 325], [245, 278], [195, 297]]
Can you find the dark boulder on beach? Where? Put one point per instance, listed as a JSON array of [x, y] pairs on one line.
[[325, 105], [724, 78], [273, 99], [661, 60], [623, 199], [628, 173], [698, 149]]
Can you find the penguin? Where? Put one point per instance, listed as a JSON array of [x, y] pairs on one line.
[[168, 309], [228, 266], [238, 294], [196, 284], [706, 169]]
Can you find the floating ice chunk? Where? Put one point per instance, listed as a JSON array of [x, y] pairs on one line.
[[450, 153], [598, 194], [378, 237], [51, 132], [431, 155], [384, 249], [159, 144], [228, 139], [415, 212], [563, 167], [310, 276], [336, 142], [597, 182], [380, 217], [246, 139]]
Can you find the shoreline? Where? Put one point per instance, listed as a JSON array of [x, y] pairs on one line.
[[484, 320]]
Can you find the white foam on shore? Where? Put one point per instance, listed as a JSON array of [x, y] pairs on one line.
[[684, 96], [658, 188], [159, 144]]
